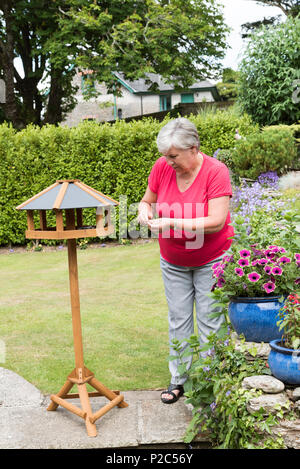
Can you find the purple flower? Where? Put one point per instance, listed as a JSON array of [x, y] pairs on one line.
[[243, 262], [254, 276], [206, 368], [213, 405], [297, 256], [269, 287], [276, 270], [244, 253], [239, 271], [297, 281]]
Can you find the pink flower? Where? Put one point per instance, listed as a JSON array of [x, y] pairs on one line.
[[239, 271], [254, 276], [263, 261], [243, 262], [216, 265], [220, 282], [297, 256], [267, 269], [277, 270], [269, 287], [244, 253], [274, 248], [253, 263], [284, 260], [269, 253]]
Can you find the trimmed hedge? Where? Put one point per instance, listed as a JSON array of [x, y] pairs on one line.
[[113, 158]]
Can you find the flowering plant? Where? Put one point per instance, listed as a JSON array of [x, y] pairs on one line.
[[257, 272], [289, 321]]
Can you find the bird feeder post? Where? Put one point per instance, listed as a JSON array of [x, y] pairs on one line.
[[72, 196]]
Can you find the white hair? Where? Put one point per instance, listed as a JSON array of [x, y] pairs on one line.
[[179, 133]]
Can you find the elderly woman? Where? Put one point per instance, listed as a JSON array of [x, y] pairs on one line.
[[190, 192]]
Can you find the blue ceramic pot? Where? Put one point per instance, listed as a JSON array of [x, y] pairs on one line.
[[256, 318], [284, 363]]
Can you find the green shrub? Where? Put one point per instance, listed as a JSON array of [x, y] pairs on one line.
[[272, 149], [113, 158]]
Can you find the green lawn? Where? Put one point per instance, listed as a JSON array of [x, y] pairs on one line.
[[123, 311]]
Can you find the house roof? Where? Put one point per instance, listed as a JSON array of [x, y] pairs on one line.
[[65, 194], [141, 87]]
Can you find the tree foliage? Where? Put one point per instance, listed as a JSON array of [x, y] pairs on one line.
[[270, 76], [228, 86], [182, 40], [289, 8]]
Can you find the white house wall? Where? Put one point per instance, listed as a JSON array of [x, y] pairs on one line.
[[102, 108]]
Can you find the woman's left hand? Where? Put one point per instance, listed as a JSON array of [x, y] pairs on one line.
[[159, 225]]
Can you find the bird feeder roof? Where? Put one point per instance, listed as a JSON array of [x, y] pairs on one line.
[[67, 194]]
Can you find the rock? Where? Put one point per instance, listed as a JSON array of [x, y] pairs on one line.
[[252, 350], [290, 432], [269, 403], [295, 396], [266, 383]]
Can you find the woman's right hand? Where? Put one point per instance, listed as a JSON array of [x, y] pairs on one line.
[[145, 213]]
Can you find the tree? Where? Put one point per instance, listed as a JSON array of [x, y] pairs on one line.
[[270, 75], [289, 8], [182, 40], [228, 86]]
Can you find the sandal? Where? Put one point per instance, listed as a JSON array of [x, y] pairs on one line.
[[171, 388]]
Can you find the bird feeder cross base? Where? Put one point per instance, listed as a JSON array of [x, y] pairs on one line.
[[82, 376]]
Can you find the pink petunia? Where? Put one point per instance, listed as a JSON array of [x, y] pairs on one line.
[[243, 262], [284, 260], [244, 253], [263, 261], [274, 248], [239, 271], [269, 287], [254, 276], [220, 282], [253, 263], [297, 256], [267, 269], [216, 265], [276, 270]]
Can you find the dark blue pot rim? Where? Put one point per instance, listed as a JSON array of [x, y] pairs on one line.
[[249, 299], [274, 344]]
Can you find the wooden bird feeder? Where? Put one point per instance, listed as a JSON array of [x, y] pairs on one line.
[[71, 196]]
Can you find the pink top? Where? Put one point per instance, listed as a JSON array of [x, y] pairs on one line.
[[212, 181]]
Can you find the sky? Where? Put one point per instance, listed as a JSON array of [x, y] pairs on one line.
[[236, 13]]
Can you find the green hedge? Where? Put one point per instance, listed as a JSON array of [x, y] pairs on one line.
[[272, 149], [113, 158]]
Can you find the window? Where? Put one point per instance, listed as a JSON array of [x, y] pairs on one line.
[[165, 102], [187, 98]]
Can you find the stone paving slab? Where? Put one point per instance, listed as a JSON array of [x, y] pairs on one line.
[[25, 422]]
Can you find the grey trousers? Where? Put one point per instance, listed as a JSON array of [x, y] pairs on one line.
[[184, 288]]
